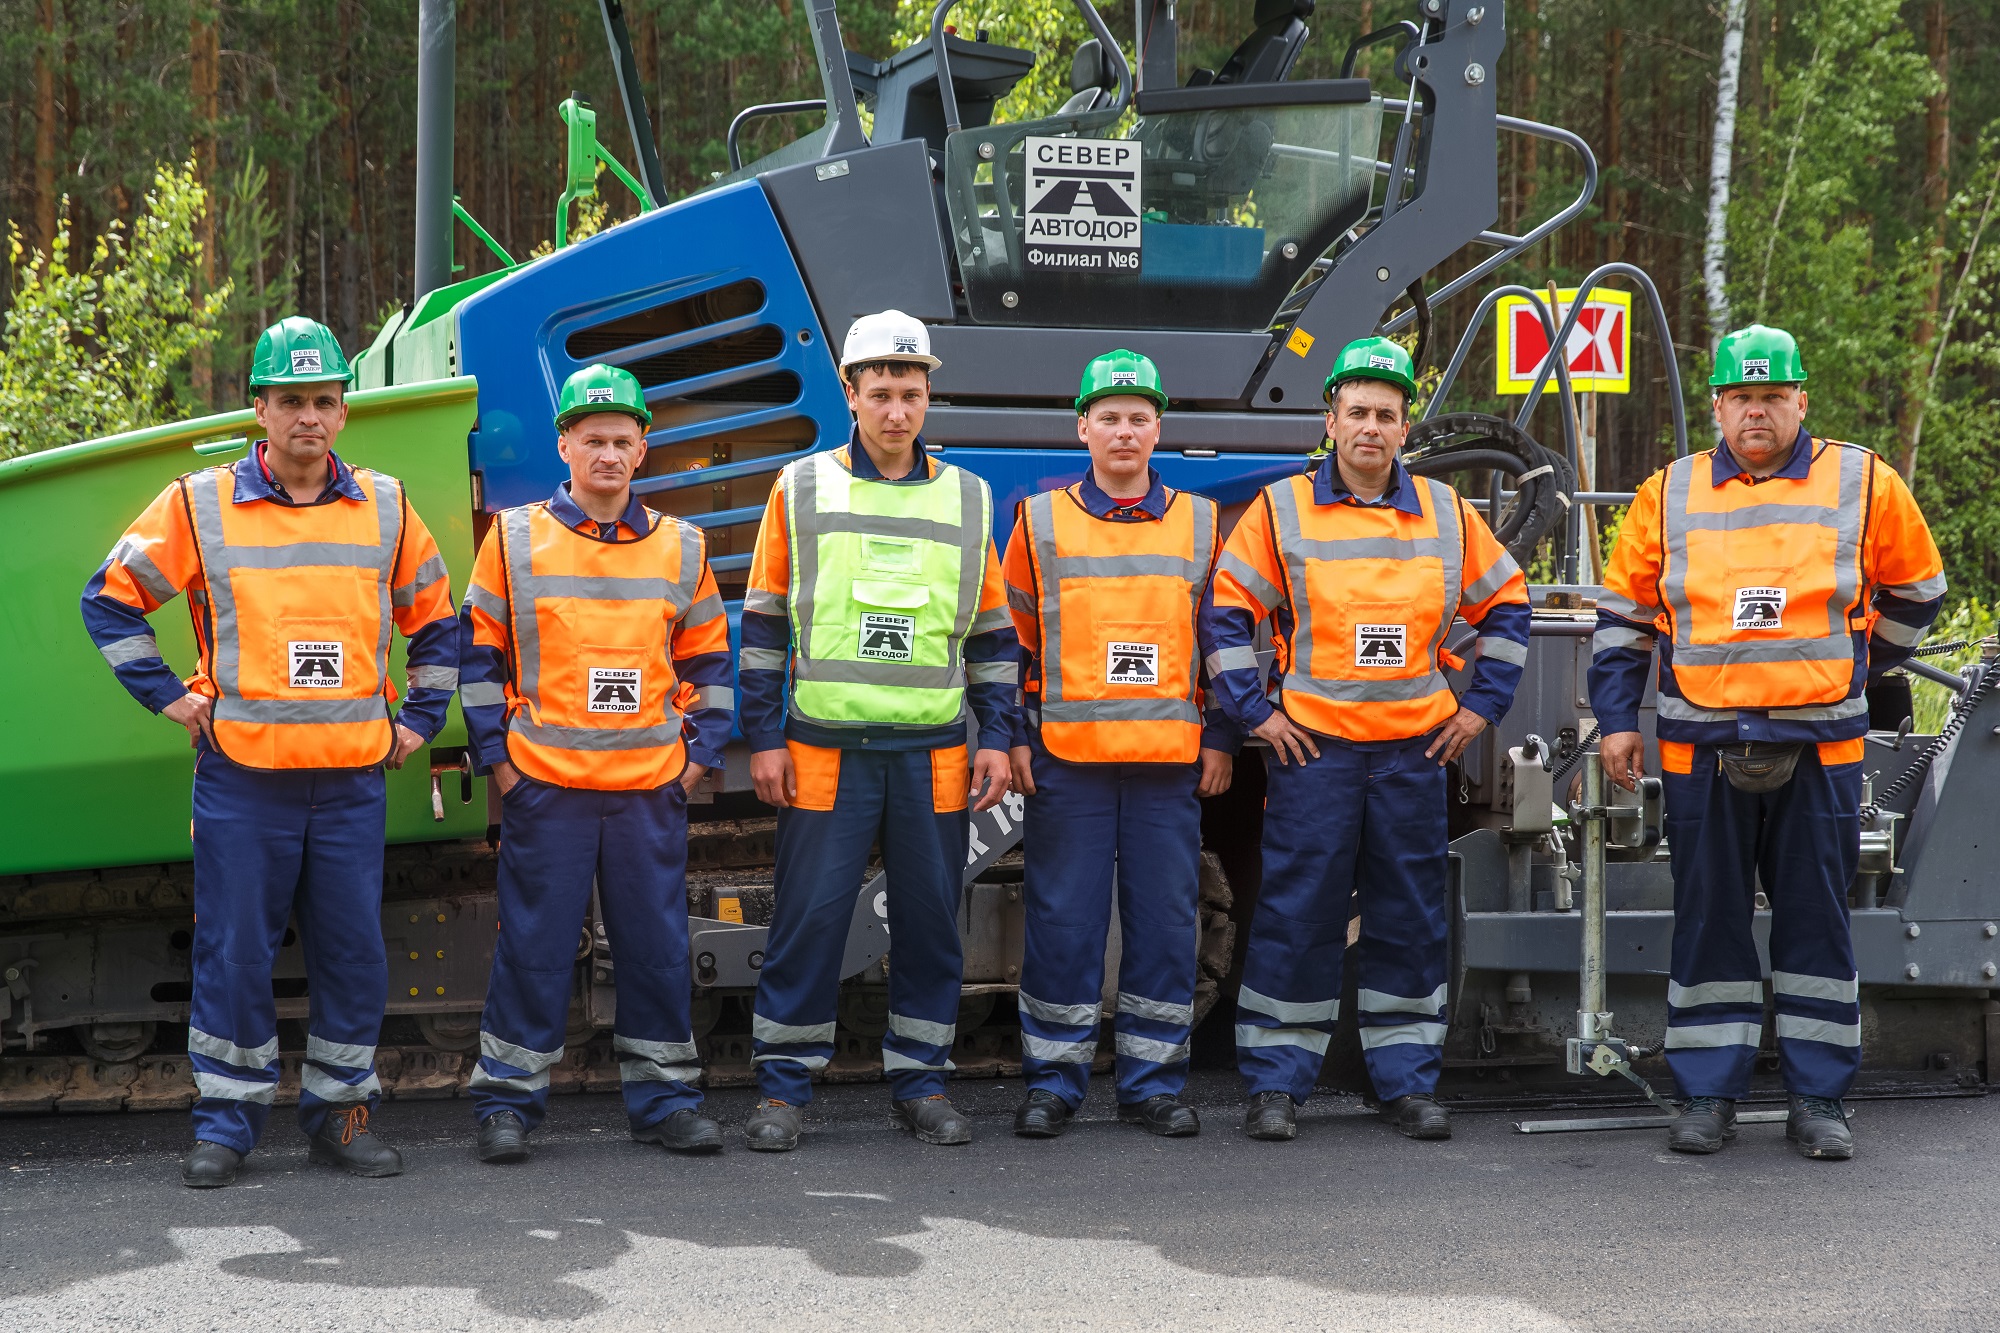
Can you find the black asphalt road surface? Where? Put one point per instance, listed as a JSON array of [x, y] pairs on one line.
[[1348, 1227]]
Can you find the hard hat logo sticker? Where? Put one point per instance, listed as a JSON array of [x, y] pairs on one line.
[[602, 395], [305, 361], [1760, 608], [316, 665], [1379, 362], [887, 638], [1756, 368], [614, 690], [1132, 664], [1381, 645], [906, 343], [1120, 378]]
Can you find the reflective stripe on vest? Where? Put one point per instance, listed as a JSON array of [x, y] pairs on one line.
[[1117, 607], [1762, 585], [315, 610], [593, 676], [1363, 657], [885, 583]]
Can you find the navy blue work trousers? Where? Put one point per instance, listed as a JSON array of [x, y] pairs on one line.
[[555, 844], [270, 847]]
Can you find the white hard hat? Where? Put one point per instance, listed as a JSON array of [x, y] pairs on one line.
[[888, 335]]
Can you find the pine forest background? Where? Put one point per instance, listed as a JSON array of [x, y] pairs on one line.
[[178, 173]]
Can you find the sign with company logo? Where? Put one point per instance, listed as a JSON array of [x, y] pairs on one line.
[[1598, 352], [1082, 204], [1132, 664], [1380, 645], [1760, 608], [316, 666], [614, 690], [888, 638]]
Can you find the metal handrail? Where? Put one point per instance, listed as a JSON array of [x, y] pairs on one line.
[[948, 94], [750, 113]]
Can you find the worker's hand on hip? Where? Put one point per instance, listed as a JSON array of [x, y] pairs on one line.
[[1286, 736], [1020, 759], [407, 744], [775, 778], [1218, 768], [692, 774], [195, 712], [990, 775], [1455, 735], [1623, 754], [505, 775]]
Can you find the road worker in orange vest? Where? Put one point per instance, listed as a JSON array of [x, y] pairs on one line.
[[1775, 574], [1362, 569], [597, 692], [1104, 579], [296, 566]]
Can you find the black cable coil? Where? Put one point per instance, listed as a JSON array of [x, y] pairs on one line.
[[1479, 442]]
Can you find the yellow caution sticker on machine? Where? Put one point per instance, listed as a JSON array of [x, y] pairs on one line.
[[1300, 341], [729, 909]]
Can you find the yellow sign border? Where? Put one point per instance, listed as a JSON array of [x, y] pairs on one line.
[[1506, 306]]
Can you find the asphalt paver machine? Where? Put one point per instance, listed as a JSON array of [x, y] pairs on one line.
[[1236, 225]]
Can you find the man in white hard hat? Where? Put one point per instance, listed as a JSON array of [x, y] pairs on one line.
[[890, 625]]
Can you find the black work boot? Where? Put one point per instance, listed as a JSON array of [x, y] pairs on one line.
[[932, 1119], [1703, 1126], [1165, 1115], [503, 1138], [1418, 1116], [344, 1141], [686, 1130], [210, 1166], [1819, 1126], [1272, 1115], [1042, 1116], [773, 1127]]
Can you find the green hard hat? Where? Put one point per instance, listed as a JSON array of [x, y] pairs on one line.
[[602, 388], [1117, 372], [1759, 354], [1373, 359], [297, 350]]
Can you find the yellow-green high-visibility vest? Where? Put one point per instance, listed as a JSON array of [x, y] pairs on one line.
[[885, 582]]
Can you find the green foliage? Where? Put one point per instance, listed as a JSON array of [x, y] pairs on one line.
[[93, 350], [1971, 620]]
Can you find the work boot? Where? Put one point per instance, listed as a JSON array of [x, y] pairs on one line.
[[1272, 1115], [503, 1138], [932, 1119], [1167, 1116], [686, 1130], [1042, 1116], [1418, 1116], [1703, 1126], [344, 1141], [210, 1166], [773, 1127], [1819, 1126]]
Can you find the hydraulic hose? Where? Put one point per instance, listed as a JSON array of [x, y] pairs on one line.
[[1476, 441]]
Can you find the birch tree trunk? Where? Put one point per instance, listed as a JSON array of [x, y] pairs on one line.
[[1714, 253]]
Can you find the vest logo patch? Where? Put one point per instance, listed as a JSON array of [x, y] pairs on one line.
[[1132, 664], [305, 361], [602, 395], [888, 638], [317, 666], [1756, 368], [614, 690], [1760, 608], [1381, 645]]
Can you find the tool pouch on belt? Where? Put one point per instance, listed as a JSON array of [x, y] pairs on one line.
[[1759, 766]]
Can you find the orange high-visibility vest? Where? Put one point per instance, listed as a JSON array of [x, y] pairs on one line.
[[1117, 604], [299, 599], [592, 701], [1372, 592], [1762, 586]]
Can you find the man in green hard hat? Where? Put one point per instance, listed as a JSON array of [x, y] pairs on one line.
[[1104, 577], [1777, 572], [298, 566], [597, 692], [1361, 568]]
